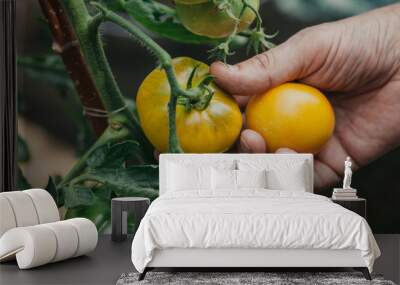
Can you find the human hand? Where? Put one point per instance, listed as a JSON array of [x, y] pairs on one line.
[[356, 62]]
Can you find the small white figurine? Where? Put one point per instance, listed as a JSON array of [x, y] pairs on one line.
[[347, 173]]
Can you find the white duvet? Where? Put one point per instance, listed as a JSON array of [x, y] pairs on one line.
[[250, 219]]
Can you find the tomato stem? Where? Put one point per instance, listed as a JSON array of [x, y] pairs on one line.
[[110, 135], [86, 30], [257, 37], [166, 64]]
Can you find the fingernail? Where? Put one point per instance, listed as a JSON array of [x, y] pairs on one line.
[[285, 150], [244, 146]]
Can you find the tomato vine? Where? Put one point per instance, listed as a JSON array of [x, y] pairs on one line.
[[121, 123], [89, 67]]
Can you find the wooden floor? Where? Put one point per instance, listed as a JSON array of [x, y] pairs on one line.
[[110, 260]]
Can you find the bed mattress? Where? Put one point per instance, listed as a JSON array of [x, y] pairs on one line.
[[250, 219]]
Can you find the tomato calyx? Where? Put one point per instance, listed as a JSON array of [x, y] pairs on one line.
[[226, 6], [258, 39], [222, 50], [197, 97]]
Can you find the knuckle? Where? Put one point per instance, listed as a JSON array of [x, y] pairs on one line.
[[304, 33], [264, 60], [313, 32]]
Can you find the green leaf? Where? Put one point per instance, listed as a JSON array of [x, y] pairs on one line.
[[102, 191], [113, 156], [22, 182], [134, 181], [162, 20], [99, 212], [49, 68], [56, 193], [77, 196], [23, 154]]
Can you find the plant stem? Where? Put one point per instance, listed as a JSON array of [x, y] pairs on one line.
[[86, 30], [255, 11], [65, 43], [110, 135], [166, 64], [94, 53], [173, 140]]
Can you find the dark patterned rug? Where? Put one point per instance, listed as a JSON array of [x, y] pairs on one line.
[[244, 278]]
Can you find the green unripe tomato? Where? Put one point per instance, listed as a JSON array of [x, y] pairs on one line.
[[206, 19]]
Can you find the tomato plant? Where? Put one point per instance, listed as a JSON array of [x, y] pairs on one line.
[[208, 128], [178, 107], [292, 115]]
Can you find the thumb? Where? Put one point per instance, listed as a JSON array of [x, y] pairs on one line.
[[263, 71]]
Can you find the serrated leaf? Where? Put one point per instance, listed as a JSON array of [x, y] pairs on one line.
[[78, 196], [134, 181], [162, 20], [57, 195], [23, 154], [99, 212], [22, 182], [113, 156], [102, 191]]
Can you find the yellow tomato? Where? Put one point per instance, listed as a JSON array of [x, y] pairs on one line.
[[207, 20], [292, 115], [211, 130]]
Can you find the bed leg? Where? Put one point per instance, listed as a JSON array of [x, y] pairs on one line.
[[143, 274], [364, 271]]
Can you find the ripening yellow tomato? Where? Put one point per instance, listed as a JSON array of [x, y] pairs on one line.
[[292, 115], [206, 19], [213, 129]]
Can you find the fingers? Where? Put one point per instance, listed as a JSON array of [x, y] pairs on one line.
[[242, 101], [329, 163], [251, 142], [264, 71], [323, 175], [285, 150]]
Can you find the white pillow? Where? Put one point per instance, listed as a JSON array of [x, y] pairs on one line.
[[181, 177], [282, 174], [293, 179], [223, 179], [251, 178]]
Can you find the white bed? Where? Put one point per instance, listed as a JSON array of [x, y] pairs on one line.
[[201, 226]]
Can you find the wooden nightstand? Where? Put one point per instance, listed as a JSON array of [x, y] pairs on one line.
[[357, 205]]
